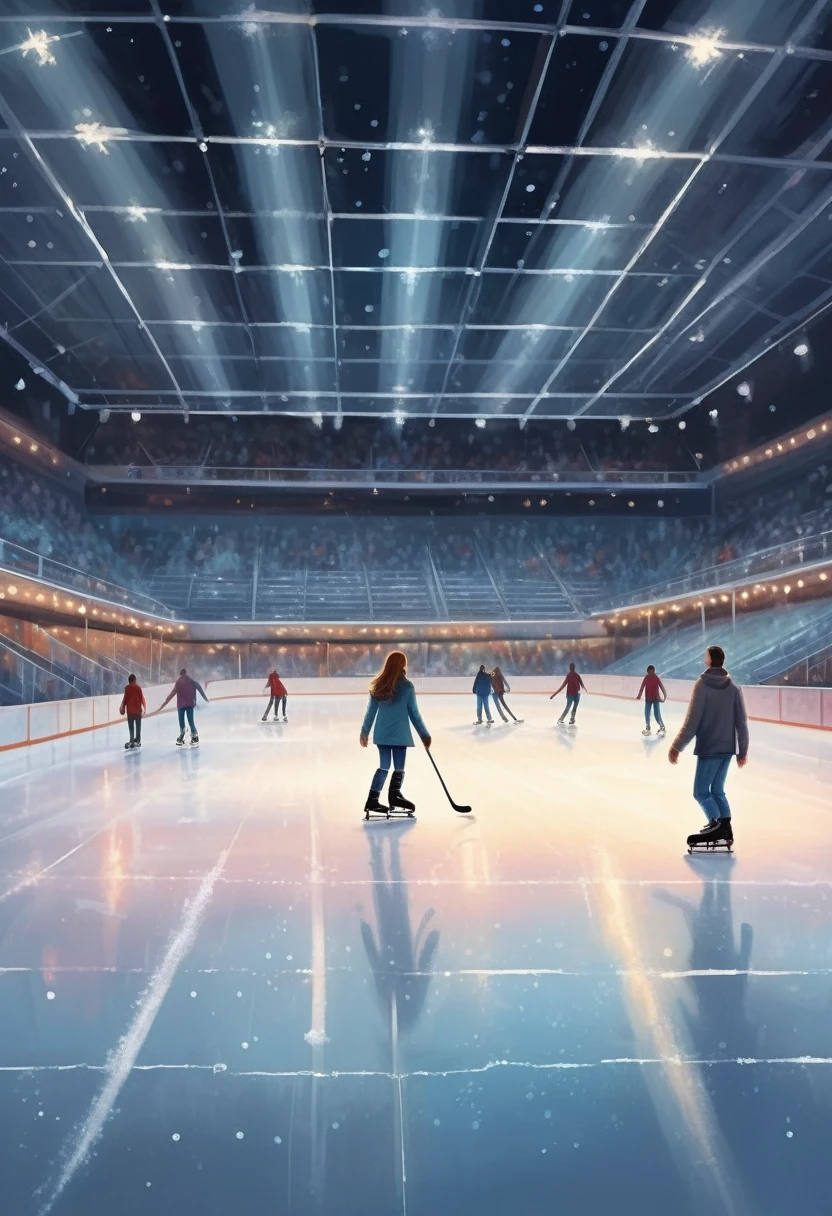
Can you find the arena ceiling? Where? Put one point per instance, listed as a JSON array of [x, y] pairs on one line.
[[411, 207]]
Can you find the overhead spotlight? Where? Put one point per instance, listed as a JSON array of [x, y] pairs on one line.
[[318, 420], [703, 47], [338, 421], [744, 389], [653, 429], [713, 414], [571, 424], [801, 350], [432, 422], [631, 503], [527, 502], [682, 426], [624, 421], [136, 416], [398, 418], [490, 497], [592, 502], [522, 422], [660, 503], [543, 502], [480, 422], [104, 415]]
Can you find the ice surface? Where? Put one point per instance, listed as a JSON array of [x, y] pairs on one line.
[[221, 989]]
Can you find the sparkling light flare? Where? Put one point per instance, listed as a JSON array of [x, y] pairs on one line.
[[92, 134], [39, 43], [704, 47]]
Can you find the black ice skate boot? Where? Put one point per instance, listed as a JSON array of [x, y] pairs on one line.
[[194, 740], [180, 740], [394, 794], [373, 807], [716, 837]]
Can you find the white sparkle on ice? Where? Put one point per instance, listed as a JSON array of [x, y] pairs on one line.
[[316, 1038]]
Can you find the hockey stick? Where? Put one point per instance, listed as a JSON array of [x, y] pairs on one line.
[[463, 810]]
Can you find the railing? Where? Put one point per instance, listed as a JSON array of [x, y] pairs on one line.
[[382, 477], [764, 562], [23, 681], [17, 560]]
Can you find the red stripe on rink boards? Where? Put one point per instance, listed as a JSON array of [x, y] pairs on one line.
[[250, 696]]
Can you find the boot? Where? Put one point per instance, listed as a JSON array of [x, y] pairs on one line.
[[180, 739], [194, 740], [373, 807], [394, 794], [716, 836]]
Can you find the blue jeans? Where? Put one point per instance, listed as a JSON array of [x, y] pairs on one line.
[[189, 710], [709, 785], [385, 754], [571, 703], [654, 705], [482, 704]]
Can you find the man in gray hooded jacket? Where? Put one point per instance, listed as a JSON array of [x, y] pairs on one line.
[[716, 717]]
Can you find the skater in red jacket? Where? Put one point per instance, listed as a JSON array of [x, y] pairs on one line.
[[573, 684], [277, 698], [654, 693], [132, 704]]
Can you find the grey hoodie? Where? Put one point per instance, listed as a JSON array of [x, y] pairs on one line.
[[716, 717]]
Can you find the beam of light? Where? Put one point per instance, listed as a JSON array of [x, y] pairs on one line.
[[39, 43], [287, 180], [94, 135], [430, 89], [703, 48]]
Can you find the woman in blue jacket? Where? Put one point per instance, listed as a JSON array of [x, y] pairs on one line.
[[482, 691], [392, 707]]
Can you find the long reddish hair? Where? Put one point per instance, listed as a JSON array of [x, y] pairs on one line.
[[384, 685]]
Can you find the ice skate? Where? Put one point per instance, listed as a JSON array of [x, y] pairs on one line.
[[647, 732], [285, 719], [489, 723], [194, 740], [265, 718], [373, 807], [478, 722], [394, 795], [662, 730], [718, 837], [573, 722], [127, 746], [180, 740]]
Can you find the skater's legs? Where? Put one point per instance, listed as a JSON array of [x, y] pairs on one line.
[[131, 726], [181, 716], [498, 706], [385, 755], [648, 705], [272, 700], [718, 787], [189, 710], [282, 706], [573, 703], [657, 714], [482, 705], [505, 707], [711, 772]]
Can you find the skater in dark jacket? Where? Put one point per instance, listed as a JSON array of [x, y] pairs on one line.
[[482, 691], [277, 698], [573, 684], [132, 704], [654, 693], [392, 706], [185, 690], [716, 718], [499, 687]]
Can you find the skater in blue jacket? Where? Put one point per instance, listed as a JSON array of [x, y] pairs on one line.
[[482, 691], [392, 707]]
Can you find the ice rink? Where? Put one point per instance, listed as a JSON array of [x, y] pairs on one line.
[[221, 992]]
